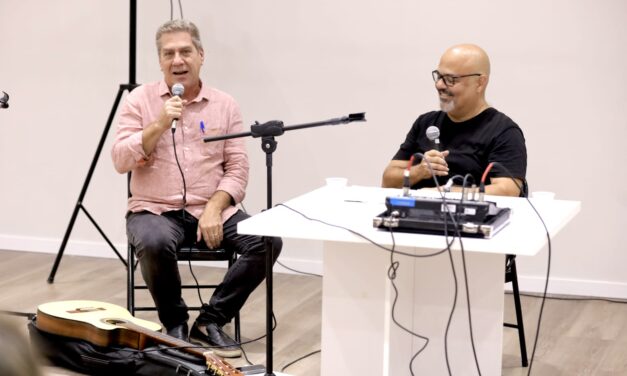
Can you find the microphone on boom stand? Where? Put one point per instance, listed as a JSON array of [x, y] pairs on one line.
[[4, 101]]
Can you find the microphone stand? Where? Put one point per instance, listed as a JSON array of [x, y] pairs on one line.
[[267, 131]]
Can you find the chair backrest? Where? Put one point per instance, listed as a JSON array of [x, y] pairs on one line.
[[524, 191]]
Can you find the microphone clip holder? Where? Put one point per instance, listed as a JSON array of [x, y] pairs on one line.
[[268, 129], [4, 100]]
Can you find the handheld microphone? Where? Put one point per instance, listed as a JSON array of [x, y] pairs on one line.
[[177, 90], [4, 101], [433, 134], [406, 173]]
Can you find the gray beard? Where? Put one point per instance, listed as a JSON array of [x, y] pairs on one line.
[[447, 106]]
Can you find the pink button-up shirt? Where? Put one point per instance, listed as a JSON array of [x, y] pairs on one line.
[[156, 183]]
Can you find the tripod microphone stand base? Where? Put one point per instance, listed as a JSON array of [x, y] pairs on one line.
[[79, 202]]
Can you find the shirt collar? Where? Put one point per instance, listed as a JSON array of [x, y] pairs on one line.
[[205, 92]]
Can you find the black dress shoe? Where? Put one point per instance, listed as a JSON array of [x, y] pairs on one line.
[[211, 335], [180, 331]]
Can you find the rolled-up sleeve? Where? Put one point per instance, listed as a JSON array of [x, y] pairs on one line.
[[127, 151], [235, 178]]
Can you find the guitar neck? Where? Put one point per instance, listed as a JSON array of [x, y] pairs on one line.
[[214, 363], [164, 338]]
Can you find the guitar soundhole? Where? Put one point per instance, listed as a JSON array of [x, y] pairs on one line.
[[113, 321]]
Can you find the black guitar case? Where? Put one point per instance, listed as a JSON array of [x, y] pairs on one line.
[[81, 356]]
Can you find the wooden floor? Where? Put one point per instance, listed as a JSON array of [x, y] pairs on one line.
[[578, 337]]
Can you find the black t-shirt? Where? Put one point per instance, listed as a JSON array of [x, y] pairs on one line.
[[490, 136]]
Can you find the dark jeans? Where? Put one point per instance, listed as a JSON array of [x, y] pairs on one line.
[[156, 239]]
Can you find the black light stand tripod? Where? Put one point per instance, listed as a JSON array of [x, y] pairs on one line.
[[267, 132], [79, 203]]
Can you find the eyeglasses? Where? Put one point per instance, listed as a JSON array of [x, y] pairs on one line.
[[449, 79]]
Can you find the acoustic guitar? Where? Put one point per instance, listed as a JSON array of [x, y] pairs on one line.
[[104, 324]]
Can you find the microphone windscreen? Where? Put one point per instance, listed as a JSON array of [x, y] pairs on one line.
[[433, 133], [178, 89]]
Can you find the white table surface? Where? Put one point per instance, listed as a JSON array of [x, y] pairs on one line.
[[354, 207], [358, 333]]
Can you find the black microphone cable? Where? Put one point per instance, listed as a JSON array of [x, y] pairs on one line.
[[455, 291], [283, 265], [299, 359], [548, 264], [574, 298], [189, 262], [298, 271], [463, 252], [450, 254], [456, 219], [361, 235], [172, 10], [391, 270], [178, 164], [177, 91], [394, 265], [457, 234]]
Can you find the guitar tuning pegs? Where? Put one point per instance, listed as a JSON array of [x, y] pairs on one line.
[[214, 370]]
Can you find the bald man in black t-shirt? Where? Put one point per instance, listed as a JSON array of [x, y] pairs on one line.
[[472, 134]]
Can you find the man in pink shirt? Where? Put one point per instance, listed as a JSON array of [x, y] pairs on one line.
[[183, 190]]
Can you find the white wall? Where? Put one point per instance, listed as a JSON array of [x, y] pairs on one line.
[[558, 70]]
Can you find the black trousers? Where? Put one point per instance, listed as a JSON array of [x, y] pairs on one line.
[[156, 239]]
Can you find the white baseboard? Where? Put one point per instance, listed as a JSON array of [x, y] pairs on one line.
[[528, 283], [52, 245], [573, 286], [103, 250]]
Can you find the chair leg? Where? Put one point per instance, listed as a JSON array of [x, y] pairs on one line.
[[519, 318], [130, 284], [237, 329]]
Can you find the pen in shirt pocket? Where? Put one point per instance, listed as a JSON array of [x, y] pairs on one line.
[[202, 127]]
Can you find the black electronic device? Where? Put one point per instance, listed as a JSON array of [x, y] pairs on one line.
[[474, 218]]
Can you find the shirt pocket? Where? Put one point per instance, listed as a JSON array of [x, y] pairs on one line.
[[212, 148]]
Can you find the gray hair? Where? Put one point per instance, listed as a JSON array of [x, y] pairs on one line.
[[174, 26]]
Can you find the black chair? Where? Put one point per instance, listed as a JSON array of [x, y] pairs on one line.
[[511, 276], [183, 254]]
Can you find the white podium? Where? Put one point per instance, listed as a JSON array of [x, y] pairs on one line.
[[359, 336]]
